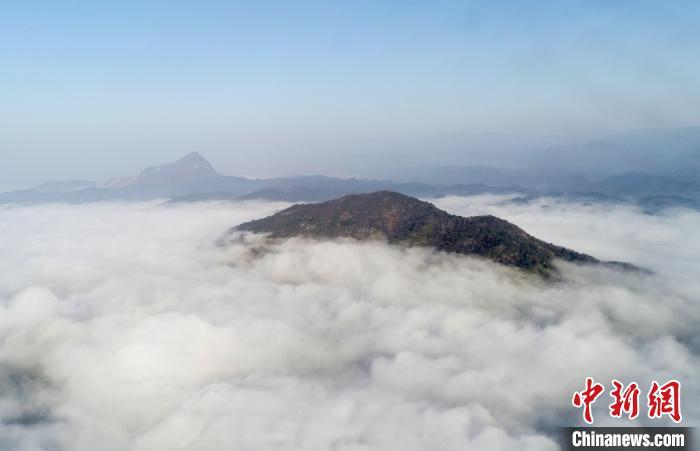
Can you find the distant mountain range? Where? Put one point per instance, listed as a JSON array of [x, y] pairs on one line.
[[404, 220], [192, 178], [653, 168], [656, 169]]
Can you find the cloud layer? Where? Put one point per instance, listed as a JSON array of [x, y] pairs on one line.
[[126, 326]]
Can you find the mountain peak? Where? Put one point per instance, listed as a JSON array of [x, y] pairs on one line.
[[190, 168], [405, 220], [192, 157]]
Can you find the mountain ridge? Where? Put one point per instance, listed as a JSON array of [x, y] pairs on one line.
[[404, 220], [193, 179]]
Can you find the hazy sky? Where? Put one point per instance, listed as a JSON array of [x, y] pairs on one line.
[[93, 89]]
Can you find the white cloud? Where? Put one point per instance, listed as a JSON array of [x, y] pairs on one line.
[[125, 326]]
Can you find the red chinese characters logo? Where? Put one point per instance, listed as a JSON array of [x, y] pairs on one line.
[[587, 397], [661, 400], [625, 400], [665, 400]]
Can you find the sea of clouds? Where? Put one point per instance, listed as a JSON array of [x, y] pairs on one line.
[[132, 326]]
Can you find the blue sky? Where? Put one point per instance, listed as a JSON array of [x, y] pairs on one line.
[[95, 89]]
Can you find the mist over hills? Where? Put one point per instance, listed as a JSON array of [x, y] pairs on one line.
[[138, 319], [652, 168], [656, 169], [655, 151]]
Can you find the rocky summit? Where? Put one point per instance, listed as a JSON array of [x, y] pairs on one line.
[[404, 220]]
